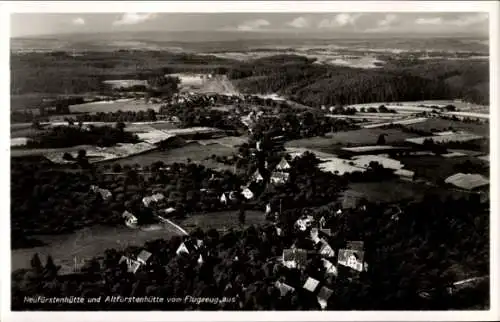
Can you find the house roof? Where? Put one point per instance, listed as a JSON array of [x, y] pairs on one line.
[[311, 284], [143, 256], [344, 255], [467, 181], [284, 288], [132, 265], [283, 165], [323, 296]]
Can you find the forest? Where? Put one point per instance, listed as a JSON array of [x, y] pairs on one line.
[[73, 135], [312, 84]]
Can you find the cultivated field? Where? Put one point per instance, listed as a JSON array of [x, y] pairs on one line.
[[193, 151], [114, 106], [438, 124], [331, 142]]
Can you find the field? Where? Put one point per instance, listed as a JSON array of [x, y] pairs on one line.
[[399, 191], [440, 124], [88, 242], [222, 220], [193, 151], [435, 168], [350, 138], [114, 106]]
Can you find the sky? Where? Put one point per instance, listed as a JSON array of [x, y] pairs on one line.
[[414, 23]]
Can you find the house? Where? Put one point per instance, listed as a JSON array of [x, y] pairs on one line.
[[326, 231], [143, 257], [223, 199], [189, 246], [284, 288], [105, 194], [132, 265], [283, 165], [351, 258], [315, 235], [279, 177], [294, 258], [257, 177], [154, 198], [322, 222], [247, 193], [330, 269], [268, 209], [130, 220], [304, 222], [323, 296], [325, 249], [311, 284]]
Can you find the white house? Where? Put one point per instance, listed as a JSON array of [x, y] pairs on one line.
[[257, 177], [311, 284], [247, 193], [283, 165], [279, 177], [154, 198], [223, 199], [130, 220]]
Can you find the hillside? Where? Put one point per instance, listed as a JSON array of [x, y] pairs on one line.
[[316, 85]]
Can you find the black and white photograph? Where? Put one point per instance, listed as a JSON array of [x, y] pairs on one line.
[[251, 159]]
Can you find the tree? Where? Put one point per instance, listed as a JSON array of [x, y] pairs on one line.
[[381, 139], [68, 157], [241, 215], [36, 263], [383, 109], [120, 126]]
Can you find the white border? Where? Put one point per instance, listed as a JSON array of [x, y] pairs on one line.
[[251, 6]]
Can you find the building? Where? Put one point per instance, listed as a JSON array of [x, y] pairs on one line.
[[311, 284], [325, 249], [283, 165], [470, 182], [351, 258], [143, 257], [323, 296], [355, 245], [257, 177], [132, 265], [189, 246], [284, 288], [223, 199], [330, 269], [151, 199], [247, 193], [279, 177], [130, 220]]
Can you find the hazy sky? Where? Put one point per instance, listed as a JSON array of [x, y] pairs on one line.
[[27, 24]]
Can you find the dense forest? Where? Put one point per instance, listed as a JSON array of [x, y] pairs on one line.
[[316, 85]]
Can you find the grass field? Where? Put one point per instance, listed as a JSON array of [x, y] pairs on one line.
[[331, 142], [435, 168], [193, 151], [87, 243], [399, 191], [440, 124], [222, 220], [114, 106]]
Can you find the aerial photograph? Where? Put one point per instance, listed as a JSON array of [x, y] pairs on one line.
[[250, 161]]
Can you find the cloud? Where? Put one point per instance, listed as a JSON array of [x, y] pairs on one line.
[[78, 21], [299, 22], [340, 20], [462, 21], [384, 24], [429, 21], [253, 25], [470, 20], [134, 18]]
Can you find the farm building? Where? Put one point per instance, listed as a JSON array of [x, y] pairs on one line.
[[325, 249], [468, 181], [143, 256], [257, 177], [130, 220]]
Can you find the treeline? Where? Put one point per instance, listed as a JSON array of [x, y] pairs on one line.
[[419, 250], [317, 85], [67, 136]]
